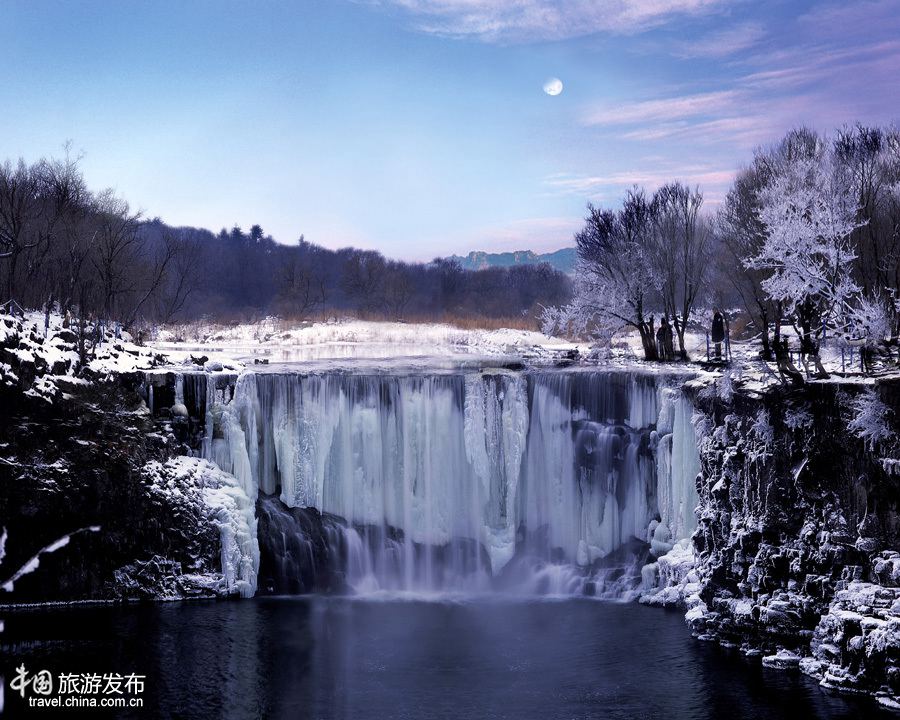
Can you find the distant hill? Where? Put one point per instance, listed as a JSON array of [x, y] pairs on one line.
[[563, 260]]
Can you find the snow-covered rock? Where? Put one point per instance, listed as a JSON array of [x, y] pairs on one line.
[[192, 480], [856, 645], [672, 580], [782, 660], [42, 360], [795, 555]]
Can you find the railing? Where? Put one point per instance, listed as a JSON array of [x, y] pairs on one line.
[[726, 357]]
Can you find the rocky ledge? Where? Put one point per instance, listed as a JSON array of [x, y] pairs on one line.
[[795, 559], [79, 450]]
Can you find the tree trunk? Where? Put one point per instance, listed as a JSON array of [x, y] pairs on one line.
[[682, 350], [11, 278], [766, 344], [648, 340], [777, 332], [679, 331]]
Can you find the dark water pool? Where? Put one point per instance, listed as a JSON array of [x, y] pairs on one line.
[[343, 658]]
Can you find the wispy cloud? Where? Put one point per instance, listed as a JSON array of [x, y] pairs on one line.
[[811, 64], [610, 186], [817, 83], [662, 110], [529, 20], [723, 43], [745, 131], [849, 19]]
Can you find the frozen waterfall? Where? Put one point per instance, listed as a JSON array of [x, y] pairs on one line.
[[459, 481]]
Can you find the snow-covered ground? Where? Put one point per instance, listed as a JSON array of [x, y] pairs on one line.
[[276, 341], [357, 344], [351, 343], [46, 355]]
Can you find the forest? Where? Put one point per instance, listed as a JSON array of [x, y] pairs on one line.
[[89, 254]]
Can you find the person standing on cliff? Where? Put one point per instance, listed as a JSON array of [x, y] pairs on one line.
[[719, 328], [664, 340], [668, 338]]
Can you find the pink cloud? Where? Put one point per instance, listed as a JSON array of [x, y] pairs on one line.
[[529, 20], [724, 42], [663, 110]]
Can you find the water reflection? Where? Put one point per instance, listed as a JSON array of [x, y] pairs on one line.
[[345, 658]]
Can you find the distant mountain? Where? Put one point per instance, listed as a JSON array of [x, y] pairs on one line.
[[563, 260]]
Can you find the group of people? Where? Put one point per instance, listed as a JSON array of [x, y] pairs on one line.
[[719, 335]]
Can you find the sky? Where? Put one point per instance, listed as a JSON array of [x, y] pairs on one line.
[[420, 128]]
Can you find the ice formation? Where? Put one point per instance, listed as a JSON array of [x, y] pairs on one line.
[[435, 481], [228, 507], [678, 463]]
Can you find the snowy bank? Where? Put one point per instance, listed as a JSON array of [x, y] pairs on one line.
[[281, 341], [42, 360]]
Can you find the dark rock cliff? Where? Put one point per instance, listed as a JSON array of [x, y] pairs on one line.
[[798, 531], [78, 449]]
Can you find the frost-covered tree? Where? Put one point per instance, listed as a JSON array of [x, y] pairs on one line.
[[614, 277], [809, 210], [740, 233], [867, 325], [871, 419]]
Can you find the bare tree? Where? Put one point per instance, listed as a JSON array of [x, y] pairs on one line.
[[117, 249], [22, 207], [615, 277], [181, 278], [156, 273], [363, 279], [398, 289], [74, 208], [302, 290], [681, 241]]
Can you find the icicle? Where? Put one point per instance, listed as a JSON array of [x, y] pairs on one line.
[[434, 476]]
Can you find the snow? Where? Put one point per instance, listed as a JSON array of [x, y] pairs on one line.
[[396, 346], [229, 509], [280, 341], [53, 359], [34, 562]]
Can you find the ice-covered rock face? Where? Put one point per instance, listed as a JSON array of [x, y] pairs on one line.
[[441, 478], [795, 555], [226, 506]]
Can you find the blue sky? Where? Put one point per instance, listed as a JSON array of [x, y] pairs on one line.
[[419, 127]]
